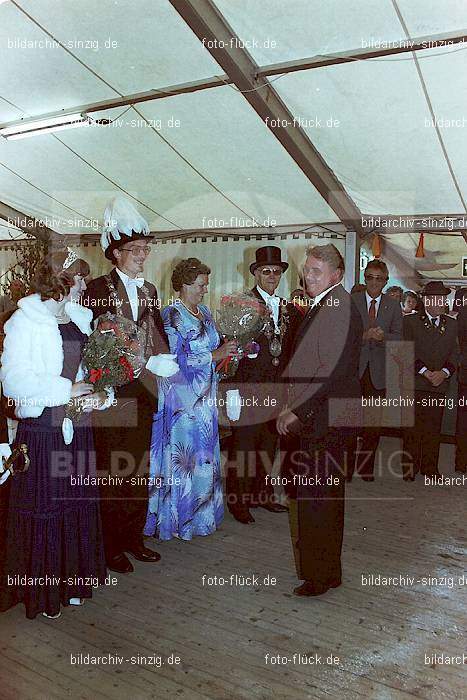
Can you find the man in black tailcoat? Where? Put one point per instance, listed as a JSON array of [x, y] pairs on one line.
[[433, 337], [260, 389], [122, 436], [324, 408]]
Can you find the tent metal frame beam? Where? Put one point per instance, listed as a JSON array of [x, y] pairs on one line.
[[127, 100], [211, 28], [320, 61], [29, 224], [407, 223], [328, 230]]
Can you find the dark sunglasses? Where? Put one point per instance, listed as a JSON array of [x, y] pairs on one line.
[[268, 271]]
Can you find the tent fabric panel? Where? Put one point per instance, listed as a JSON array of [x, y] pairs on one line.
[[42, 79], [133, 46], [381, 150], [445, 80], [425, 17], [304, 28], [228, 141]]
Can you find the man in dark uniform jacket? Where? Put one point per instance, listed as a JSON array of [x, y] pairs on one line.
[[122, 436], [461, 427], [261, 391], [324, 407], [434, 338]]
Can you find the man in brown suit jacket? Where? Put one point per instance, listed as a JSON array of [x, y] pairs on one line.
[[324, 408]]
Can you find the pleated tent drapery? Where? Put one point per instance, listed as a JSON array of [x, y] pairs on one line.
[[229, 261]]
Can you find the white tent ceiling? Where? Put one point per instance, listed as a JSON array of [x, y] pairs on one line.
[[222, 166]]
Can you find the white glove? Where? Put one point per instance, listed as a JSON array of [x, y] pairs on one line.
[[88, 403], [5, 452], [233, 404], [67, 430], [109, 400], [163, 365]]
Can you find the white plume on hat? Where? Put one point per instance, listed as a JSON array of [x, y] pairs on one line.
[[121, 216]]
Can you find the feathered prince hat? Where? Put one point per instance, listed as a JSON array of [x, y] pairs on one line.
[[122, 223]]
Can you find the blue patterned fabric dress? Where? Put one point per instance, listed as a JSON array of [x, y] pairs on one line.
[[185, 493]]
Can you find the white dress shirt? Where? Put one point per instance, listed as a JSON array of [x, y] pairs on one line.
[[131, 287], [318, 298], [273, 302], [437, 321]]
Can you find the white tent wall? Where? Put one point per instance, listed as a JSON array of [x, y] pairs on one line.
[[7, 260], [229, 261]]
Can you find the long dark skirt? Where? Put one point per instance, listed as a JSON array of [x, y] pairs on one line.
[[54, 548]]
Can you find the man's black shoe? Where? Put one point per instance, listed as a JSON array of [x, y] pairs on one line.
[[242, 514], [274, 507], [308, 588], [142, 553], [121, 564]]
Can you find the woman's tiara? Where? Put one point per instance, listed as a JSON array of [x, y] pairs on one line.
[[70, 259]]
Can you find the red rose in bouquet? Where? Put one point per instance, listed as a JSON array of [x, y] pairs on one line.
[[111, 357]]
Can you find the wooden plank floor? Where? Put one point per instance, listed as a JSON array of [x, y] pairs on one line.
[[222, 634]]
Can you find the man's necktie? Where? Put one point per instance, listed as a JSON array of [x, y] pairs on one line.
[[433, 322], [372, 312]]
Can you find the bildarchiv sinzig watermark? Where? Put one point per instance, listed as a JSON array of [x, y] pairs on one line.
[[116, 660], [46, 43]]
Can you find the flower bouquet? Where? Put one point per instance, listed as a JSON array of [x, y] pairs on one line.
[[112, 356], [242, 318]]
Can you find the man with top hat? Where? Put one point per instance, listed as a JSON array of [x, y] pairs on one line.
[[259, 388], [122, 437], [432, 335]]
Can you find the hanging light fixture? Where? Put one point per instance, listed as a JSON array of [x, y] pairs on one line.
[[44, 126]]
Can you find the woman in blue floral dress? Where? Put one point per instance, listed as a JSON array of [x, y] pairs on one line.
[[185, 492]]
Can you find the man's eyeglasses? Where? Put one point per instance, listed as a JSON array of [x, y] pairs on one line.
[[375, 277], [269, 271], [138, 249]]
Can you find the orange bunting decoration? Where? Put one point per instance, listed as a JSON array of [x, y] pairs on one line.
[[420, 249], [376, 246]]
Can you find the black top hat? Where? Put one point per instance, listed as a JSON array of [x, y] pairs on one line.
[[433, 289], [268, 255]]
